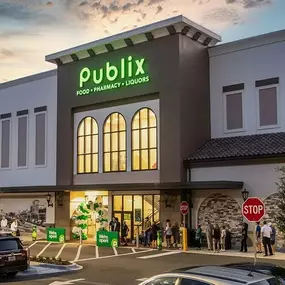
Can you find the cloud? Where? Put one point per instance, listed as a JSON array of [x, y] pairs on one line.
[[6, 53], [151, 2], [250, 3]]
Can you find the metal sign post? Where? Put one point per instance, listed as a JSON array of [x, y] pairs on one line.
[[253, 209]]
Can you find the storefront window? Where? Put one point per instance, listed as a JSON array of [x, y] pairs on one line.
[[137, 209], [117, 203], [156, 207], [115, 143], [148, 201], [128, 203], [144, 140], [87, 146]]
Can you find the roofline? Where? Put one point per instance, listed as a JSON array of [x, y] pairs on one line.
[[247, 43], [28, 79], [133, 32]]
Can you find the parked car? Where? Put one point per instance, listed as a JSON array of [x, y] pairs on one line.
[[211, 275], [13, 256], [265, 268]]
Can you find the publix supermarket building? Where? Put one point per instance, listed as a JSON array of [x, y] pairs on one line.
[[138, 122]]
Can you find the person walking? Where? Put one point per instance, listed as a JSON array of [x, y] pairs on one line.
[[209, 234], [124, 233], [198, 237], [117, 228], [244, 233], [258, 237], [168, 233], [266, 234], [181, 235], [112, 224], [4, 223], [216, 238], [154, 229], [14, 227], [223, 239], [272, 237], [175, 234]]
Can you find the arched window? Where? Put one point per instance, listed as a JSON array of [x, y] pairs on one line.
[[144, 140], [115, 143], [87, 146]]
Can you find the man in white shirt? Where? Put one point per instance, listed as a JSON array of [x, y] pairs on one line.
[[4, 223], [266, 231]]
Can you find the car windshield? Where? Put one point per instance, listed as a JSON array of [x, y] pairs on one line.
[[271, 281], [9, 244]]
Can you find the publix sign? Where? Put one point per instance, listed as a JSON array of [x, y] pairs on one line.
[[126, 72]]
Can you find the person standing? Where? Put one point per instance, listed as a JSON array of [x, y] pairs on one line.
[[154, 229], [112, 224], [168, 233], [272, 237], [258, 237], [175, 233], [117, 228], [147, 231], [198, 237], [266, 234], [209, 234], [216, 238], [223, 239], [244, 233], [181, 235], [4, 223], [125, 232], [14, 227]]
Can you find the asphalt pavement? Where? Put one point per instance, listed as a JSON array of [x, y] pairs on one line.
[[130, 269]]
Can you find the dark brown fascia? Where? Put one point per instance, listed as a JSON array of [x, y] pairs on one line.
[[236, 161], [128, 187]]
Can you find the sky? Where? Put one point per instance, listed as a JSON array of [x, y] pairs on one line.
[[32, 29]]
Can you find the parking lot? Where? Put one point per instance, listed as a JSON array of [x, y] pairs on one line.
[[74, 252]]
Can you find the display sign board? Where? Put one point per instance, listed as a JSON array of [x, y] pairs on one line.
[[56, 234], [184, 208], [107, 239], [253, 209], [121, 73]]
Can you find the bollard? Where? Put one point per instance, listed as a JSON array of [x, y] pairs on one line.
[[159, 240], [34, 233], [185, 241]]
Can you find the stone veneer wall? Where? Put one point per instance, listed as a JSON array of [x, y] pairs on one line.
[[271, 210], [222, 209]]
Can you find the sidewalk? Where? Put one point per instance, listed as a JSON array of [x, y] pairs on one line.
[[236, 253]]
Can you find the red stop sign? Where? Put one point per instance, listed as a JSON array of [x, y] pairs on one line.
[[253, 209], [184, 208]]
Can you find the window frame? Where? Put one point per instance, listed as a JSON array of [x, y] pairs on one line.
[[91, 153], [243, 129], [27, 148], [10, 144], [148, 148], [46, 140], [117, 151], [260, 128]]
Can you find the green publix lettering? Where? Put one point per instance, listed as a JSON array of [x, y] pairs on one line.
[[129, 68]]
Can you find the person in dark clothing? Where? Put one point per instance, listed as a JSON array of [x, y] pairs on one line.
[[124, 233], [216, 238], [112, 224], [154, 229], [117, 228], [175, 233], [244, 233], [198, 237]]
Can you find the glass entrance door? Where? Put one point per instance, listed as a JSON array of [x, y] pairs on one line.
[[128, 217]]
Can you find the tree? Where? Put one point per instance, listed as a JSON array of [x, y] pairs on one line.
[[280, 216]]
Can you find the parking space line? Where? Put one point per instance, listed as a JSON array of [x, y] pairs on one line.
[[32, 244], [60, 251], [108, 256], [133, 250], [78, 253], [96, 251], [115, 251], [44, 249], [159, 254]]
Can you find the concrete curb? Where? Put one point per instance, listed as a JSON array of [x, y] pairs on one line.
[[47, 270]]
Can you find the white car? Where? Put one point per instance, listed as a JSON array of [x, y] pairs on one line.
[[211, 275]]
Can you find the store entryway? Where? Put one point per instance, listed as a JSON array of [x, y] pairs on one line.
[[128, 217]]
